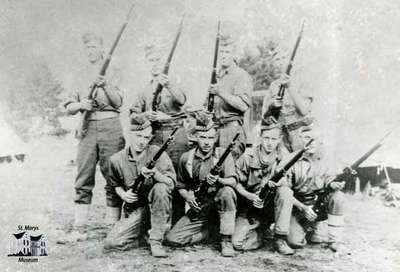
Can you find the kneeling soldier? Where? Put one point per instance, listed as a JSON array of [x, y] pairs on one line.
[[125, 167], [194, 172], [306, 177], [254, 169]]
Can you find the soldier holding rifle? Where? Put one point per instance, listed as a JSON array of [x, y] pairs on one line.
[[305, 178], [196, 169], [292, 109], [126, 167], [230, 95], [99, 132], [254, 170]]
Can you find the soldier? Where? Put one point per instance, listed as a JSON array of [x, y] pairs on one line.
[[232, 97], [104, 132], [125, 167], [254, 168], [167, 117], [294, 112], [305, 177], [193, 170]]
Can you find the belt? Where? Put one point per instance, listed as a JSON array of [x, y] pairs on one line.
[[101, 115], [226, 120]]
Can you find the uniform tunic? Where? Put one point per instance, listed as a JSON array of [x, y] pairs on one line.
[[124, 169], [193, 170], [104, 135]]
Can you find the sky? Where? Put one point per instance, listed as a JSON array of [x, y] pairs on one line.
[[349, 58]]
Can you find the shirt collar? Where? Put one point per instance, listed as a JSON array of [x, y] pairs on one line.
[[201, 156], [227, 71], [132, 157]]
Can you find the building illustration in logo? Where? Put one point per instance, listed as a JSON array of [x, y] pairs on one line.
[[22, 244]]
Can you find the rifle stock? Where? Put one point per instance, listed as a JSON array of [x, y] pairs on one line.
[[82, 126]]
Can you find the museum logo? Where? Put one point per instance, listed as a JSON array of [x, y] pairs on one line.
[[28, 244]]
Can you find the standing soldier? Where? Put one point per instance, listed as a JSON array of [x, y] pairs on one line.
[[232, 97], [295, 108], [167, 117], [194, 171], [254, 168], [306, 177], [103, 135], [125, 168]]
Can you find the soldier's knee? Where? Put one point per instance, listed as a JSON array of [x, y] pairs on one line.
[[284, 192], [173, 239], [338, 197], [160, 190], [226, 192]]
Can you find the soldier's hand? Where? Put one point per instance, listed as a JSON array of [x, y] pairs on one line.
[[191, 200], [86, 104], [156, 116], [272, 184], [284, 80], [256, 201], [214, 89], [336, 185], [147, 173], [100, 81], [309, 213], [212, 179], [163, 80], [129, 196]]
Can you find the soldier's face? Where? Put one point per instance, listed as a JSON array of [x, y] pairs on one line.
[[140, 139], [206, 140], [154, 63], [270, 139], [94, 51], [226, 56]]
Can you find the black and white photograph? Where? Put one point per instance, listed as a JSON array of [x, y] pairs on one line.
[[196, 136]]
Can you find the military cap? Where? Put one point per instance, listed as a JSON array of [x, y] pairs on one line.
[[269, 122], [91, 36], [204, 122], [226, 39], [139, 124]]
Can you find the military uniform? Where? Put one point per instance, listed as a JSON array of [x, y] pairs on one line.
[[290, 116], [254, 169], [304, 178], [193, 169], [103, 136], [124, 169]]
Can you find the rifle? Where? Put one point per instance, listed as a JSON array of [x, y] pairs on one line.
[[202, 190], [320, 207], [211, 97], [267, 194], [138, 186], [156, 98], [275, 112], [82, 127]]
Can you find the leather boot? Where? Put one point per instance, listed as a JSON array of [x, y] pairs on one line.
[[157, 250], [282, 247], [78, 232], [226, 246]]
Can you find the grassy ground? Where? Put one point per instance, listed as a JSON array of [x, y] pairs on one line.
[[40, 192]]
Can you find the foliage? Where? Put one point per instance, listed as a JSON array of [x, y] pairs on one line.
[[264, 65], [33, 103]]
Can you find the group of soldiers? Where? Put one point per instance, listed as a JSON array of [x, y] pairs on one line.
[[172, 213]]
